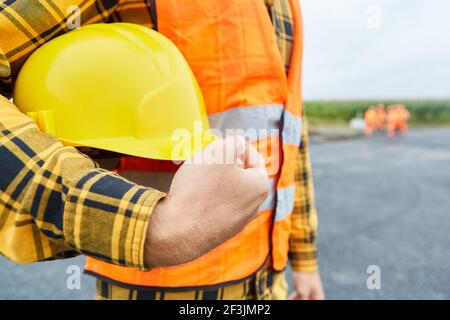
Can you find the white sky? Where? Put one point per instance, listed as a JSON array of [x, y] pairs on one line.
[[408, 57]]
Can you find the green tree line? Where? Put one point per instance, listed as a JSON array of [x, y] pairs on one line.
[[422, 111]]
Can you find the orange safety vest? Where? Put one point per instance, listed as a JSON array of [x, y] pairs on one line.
[[232, 50], [370, 117]]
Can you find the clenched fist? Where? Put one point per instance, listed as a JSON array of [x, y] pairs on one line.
[[211, 198]]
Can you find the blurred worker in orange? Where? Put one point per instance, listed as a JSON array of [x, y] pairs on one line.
[[370, 117], [380, 117], [397, 119], [391, 120], [403, 118]]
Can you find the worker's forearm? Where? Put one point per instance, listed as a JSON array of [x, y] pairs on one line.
[[56, 203], [195, 216]]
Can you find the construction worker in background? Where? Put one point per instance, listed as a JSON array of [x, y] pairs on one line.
[[56, 203], [380, 117], [391, 117], [397, 119], [403, 118], [370, 119]]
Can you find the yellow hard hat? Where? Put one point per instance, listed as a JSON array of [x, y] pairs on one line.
[[119, 87]]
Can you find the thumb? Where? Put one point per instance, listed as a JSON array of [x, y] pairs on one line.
[[235, 150], [248, 155], [222, 151], [253, 159]]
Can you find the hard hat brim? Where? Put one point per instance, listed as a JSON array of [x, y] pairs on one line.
[[153, 148]]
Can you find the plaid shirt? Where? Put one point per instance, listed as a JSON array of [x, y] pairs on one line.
[[54, 200]]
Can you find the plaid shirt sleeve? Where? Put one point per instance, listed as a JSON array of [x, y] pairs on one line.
[[54, 201], [302, 242]]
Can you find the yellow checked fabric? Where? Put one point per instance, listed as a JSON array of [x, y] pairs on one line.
[[264, 285], [54, 201], [302, 241], [302, 244]]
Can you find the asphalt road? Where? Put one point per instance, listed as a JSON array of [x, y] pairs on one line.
[[381, 202]]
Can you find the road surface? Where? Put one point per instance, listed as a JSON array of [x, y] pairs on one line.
[[383, 204]]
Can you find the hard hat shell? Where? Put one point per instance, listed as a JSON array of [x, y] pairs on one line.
[[119, 87]]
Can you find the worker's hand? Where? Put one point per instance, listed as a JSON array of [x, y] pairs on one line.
[[210, 200], [307, 286]]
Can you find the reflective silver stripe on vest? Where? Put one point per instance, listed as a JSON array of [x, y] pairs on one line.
[[257, 122], [285, 202], [269, 203], [292, 129]]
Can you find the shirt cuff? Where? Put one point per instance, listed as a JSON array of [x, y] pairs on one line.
[[106, 217], [303, 257]]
